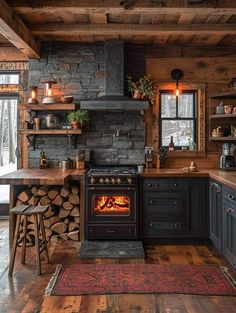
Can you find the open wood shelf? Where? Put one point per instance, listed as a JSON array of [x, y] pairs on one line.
[[225, 95], [223, 138], [222, 116], [47, 107], [51, 131]]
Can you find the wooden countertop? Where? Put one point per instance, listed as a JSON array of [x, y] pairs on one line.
[[57, 177], [225, 177], [40, 177]]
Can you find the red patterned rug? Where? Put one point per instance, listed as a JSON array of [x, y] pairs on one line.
[[83, 279]]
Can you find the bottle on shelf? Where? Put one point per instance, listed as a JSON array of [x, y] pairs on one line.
[[171, 144], [42, 160]]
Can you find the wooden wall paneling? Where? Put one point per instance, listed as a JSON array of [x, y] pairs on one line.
[[196, 70]]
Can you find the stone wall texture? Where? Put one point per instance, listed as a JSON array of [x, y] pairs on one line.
[[79, 71]]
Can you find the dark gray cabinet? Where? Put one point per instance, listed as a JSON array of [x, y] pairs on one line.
[[173, 208], [229, 225], [216, 216]]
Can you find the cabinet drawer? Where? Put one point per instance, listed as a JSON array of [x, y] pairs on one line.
[[107, 232], [167, 203], [165, 226], [152, 184], [230, 195]]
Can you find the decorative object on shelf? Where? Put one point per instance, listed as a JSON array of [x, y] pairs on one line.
[[220, 108], [193, 167], [217, 132], [171, 146], [232, 83], [33, 95], [228, 109], [52, 121], [49, 94], [43, 160], [149, 157], [191, 144], [37, 123], [66, 126], [79, 162], [176, 75], [142, 89], [67, 99], [234, 110], [162, 156], [78, 118]]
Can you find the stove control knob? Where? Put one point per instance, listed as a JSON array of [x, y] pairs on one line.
[[101, 180], [129, 179], [113, 180], [107, 180], [118, 180], [92, 180]]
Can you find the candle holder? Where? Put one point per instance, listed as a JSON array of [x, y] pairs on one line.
[[33, 95], [48, 91]]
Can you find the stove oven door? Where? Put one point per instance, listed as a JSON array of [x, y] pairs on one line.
[[111, 205]]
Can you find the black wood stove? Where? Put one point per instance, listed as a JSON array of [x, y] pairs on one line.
[[111, 203]]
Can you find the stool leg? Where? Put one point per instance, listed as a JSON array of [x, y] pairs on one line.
[[44, 237], [37, 252], [25, 219], [14, 246]]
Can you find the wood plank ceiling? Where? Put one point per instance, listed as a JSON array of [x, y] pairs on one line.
[[172, 22]]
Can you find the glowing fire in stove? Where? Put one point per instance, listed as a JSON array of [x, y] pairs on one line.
[[119, 205]]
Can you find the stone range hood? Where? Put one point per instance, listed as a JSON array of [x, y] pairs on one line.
[[114, 98]]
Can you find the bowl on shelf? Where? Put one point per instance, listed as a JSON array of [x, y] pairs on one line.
[[67, 99]]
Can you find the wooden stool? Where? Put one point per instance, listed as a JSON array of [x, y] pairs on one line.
[[25, 211]]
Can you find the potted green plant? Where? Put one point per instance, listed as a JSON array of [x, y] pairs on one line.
[[78, 118], [141, 89]]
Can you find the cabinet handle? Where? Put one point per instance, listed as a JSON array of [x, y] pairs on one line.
[[175, 185], [110, 231], [156, 185], [175, 203], [149, 185], [151, 225], [151, 202], [231, 196]]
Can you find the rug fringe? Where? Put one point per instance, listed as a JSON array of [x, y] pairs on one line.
[[229, 277], [52, 281]]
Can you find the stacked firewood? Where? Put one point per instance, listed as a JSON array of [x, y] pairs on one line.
[[62, 220]]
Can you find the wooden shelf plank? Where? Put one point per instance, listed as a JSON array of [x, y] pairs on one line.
[[51, 131], [222, 116], [47, 107], [225, 95], [223, 138]]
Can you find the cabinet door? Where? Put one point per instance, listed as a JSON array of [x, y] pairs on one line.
[[229, 232], [197, 208], [216, 209]]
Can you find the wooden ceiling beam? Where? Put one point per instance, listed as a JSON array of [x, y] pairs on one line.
[[16, 32], [118, 6], [59, 29]]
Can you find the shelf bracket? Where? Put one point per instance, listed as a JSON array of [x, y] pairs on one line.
[[74, 140]]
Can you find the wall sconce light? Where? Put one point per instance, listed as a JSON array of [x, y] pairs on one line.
[[33, 95], [48, 92], [176, 75]]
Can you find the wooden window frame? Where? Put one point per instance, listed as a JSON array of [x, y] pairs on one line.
[[201, 119]]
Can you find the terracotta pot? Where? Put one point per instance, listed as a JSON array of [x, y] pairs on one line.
[[75, 125], [137, 95]]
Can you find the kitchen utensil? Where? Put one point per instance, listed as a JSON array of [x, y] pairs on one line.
[[66, 164], [37, 122], [232, 83], [67, 99]]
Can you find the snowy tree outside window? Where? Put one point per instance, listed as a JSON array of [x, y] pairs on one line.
[[178, 118]]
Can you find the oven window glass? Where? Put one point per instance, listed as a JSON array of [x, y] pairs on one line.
[[111, 205]]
